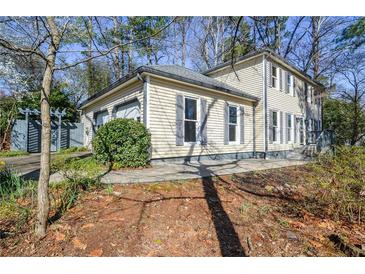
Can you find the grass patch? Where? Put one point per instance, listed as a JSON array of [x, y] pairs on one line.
[[72, 150], [17, 199], [7, 154]]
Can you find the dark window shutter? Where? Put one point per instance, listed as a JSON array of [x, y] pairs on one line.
[[242, 125], [270, 74], [270, 126], [294, 86], [281, 128], [295, 129], [179, 120], [203, 121], [226, 126], [280, 79]]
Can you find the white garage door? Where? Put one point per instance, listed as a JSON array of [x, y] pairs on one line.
[[129, 111], [101, 119]]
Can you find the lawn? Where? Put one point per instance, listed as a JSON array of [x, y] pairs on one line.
[[266, 213], [7, 154]]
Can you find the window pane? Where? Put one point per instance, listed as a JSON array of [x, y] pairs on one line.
[[274, 71], [289, 134], [274, 134], [275, 118], [190, 131], [232, 115], [190, 109], [289, 120], [232, 133]]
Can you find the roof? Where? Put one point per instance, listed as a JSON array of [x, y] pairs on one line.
[[257, 53], [176, 73]]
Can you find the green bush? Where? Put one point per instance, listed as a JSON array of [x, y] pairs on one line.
[[123, 143], [339, 183]]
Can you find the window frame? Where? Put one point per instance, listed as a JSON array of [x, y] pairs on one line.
[[290, 84], [196, 121], [275, 128], [274, 79], [96, 114], [234, 124], [289, 129]]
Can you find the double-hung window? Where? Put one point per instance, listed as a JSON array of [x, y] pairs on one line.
[[232, 123], [289, 127], [275, 126], [274, 76], [190, 120], [290, 83]]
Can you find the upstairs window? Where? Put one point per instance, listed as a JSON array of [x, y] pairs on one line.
[[232, 123], [190, 120], [289, 82], [274, 76]]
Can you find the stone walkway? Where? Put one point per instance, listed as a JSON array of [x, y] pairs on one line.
[[175, 172]]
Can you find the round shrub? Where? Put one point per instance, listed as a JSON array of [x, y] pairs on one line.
[[123, 143]]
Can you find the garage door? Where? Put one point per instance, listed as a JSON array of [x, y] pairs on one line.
[[129, 111], [101, 118]]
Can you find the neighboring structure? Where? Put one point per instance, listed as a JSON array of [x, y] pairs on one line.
[[26, 134], [265, 107]]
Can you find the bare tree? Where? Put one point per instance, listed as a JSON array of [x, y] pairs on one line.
[[352, 90], [43, 37]]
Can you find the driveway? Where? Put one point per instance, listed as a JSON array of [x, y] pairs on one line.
[[29, 166], [174, 172]]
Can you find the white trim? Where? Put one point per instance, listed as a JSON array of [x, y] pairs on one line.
[[146, 107], [197, 126], [129, 82], [237, 125], [277, 126], [264, 107]]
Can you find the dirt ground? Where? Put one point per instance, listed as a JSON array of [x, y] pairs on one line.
[[254, 214]]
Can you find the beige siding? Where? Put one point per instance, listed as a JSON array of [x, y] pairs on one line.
[[163, 121], [249, 80], [279, 100], [135, 90]]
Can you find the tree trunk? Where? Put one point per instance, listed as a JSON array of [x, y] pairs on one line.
[[43, 195], [315, 46]]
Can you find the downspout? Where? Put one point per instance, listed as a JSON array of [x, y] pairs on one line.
[[254, 129], [146, 99], [264, 97]]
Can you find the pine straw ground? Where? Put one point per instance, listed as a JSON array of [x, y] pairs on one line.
[[254, 214]]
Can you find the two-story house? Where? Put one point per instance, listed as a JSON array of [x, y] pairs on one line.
[[261, 107]]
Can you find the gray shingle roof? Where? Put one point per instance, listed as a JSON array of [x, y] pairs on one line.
[[190, 76], [177, 73]]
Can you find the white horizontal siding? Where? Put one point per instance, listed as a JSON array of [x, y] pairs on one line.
[[163, 121], [135, 90], [249, 79]]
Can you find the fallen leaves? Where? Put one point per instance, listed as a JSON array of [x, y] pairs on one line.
[[59, 236], [96, 253], [88, 225], [78, 244]]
